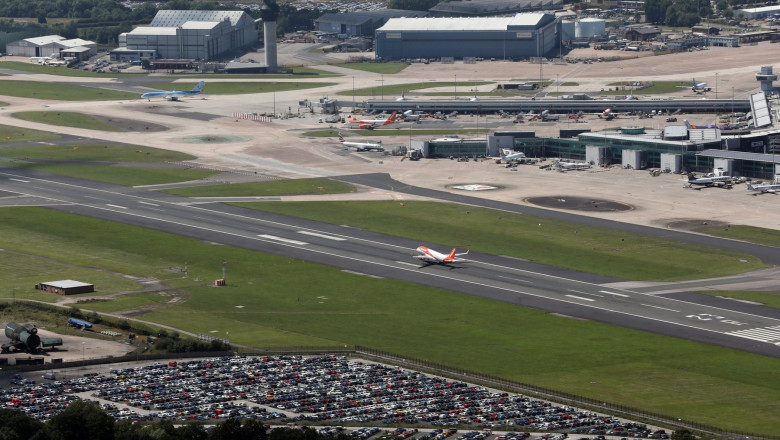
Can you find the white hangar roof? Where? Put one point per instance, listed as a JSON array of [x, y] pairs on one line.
[[463, 23], [146, 30], [40, 41], [200, 25]]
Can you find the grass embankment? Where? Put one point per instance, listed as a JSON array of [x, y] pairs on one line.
[[265, 189], [383, 68], [56, 91], [276, 302], [238, 88], [81, 155], [67, 119], [542, 240], [11, 134]]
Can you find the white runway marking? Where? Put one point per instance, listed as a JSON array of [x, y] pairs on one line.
[[116, 206], [662, 308], [586, 293], [283, 240], [765, 334], [19, 180], [579, 297], [613, 293], [148, 203], [329, 237]]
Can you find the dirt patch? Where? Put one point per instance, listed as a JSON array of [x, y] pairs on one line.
[[692, 224], [579, 204]]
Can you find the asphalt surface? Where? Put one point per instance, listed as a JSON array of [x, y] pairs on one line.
[[754, 329]]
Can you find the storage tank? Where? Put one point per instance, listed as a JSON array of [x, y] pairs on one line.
[[567, 30], [589, 27]]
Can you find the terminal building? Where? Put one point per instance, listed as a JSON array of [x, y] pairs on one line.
[[197, 35], [513, 37]]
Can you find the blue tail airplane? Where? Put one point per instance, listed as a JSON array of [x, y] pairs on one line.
[[174, 95]]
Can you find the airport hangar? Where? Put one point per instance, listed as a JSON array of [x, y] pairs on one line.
[[675, 148], [199, 35], [519, 36]]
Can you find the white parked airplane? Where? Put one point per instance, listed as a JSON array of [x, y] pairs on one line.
[[429, 256], [567, 166], [371, 123], [700, 87], [721, 181], [361, 146], [508, 155], [174, 95], [762, 189], [410, 116]]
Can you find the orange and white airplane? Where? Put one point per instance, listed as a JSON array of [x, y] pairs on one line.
[[429, 256], [371, 123]]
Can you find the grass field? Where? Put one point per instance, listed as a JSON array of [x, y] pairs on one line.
[[287, 302], [127, 176], [383, 68], [234, 88], [769, 299], [95, 153], [262, 189], [55, 91], [11, 134], [67, 119], [658, 88], [557, 243], [752, 234]]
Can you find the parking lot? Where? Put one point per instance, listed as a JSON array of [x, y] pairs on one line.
[[323, 390]]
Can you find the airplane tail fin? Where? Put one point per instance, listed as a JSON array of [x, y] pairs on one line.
[[688, 124], [199, 87], [391, 119], [751, 187], [341, 138], [451, 256]]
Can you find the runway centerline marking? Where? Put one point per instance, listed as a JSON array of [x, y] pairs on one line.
[[148, 203], [586, 293], [19, 180], [316, 234], [613, 293], [579, 297], [282, 239], [116, 206], [662, 308]]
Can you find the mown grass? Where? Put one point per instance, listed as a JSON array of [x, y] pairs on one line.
[[61, 70], [262, 189], [236, 88], [658, 88], [542, 240], [383, 68], [398, 89], [56, 91], [285, 302], [95, 153], [67, 119], [118, 175], [22, 270], [286, 72], [769, 299], [752, 234], [10, 134]]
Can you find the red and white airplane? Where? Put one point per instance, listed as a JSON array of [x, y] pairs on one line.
[[429, 256], [371, 123]]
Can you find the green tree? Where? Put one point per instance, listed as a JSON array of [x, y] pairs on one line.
[[683, 434], [412, 5], [15, 425], [81, 420]]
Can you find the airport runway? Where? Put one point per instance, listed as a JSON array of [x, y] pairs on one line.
[[749, 328]]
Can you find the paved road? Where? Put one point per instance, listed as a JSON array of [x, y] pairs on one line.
[[755, 329]]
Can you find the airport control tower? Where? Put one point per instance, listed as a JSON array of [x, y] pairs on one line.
[[766, 77], [269, 13]]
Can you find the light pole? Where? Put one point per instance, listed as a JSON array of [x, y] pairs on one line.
[[456, 87], [274, 115], [353, 93], [83, 357], [716, 85], [383, 86]]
